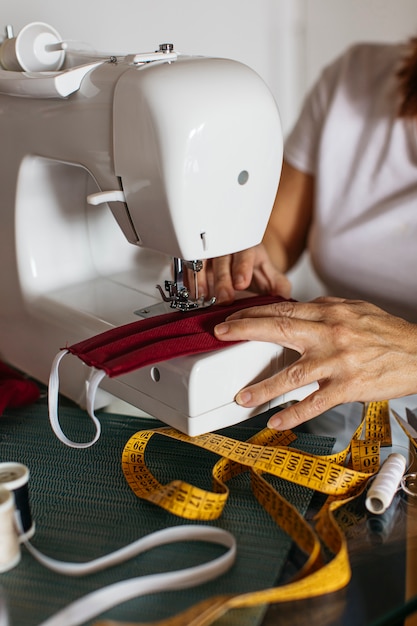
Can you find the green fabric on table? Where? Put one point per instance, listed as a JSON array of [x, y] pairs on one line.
[[84, 508]]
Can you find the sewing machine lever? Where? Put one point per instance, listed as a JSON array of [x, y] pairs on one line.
[[106, 196]]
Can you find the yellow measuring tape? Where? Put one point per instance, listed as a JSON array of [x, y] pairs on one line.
[[378, 425], [342, 477]]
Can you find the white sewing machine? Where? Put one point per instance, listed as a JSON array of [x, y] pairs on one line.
[[181, 157]]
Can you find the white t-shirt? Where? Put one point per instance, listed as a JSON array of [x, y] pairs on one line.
[[363, 241]]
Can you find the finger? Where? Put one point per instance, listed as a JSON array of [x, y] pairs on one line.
[[242, 268], [222, 279], [290, 333], [322, 309], [328, 395], [312, 406], [299, 374], [286, 308], [268, 280]]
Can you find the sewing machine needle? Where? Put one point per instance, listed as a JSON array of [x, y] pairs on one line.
[[195, 287]]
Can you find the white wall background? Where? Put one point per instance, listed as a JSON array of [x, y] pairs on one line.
[[286, 41]]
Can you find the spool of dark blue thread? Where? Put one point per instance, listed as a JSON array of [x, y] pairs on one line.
[[15, 478]]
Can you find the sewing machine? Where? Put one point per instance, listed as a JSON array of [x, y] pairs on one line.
[[111, 167]]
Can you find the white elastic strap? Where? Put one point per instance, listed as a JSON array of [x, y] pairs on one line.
[[53, 395], [92, 386], [97, 602]]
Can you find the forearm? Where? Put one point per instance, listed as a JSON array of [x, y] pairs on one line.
[[285, 238], [281, 257]]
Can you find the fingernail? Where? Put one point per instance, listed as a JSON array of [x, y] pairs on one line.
[[243, 397], [221, 329], [274, 423]]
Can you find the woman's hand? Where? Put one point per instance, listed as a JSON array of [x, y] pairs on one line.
[[353, 349], [250, 269]]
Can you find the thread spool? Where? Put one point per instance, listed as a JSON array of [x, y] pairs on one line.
[[15, 478], [9, 544], [37, 48], [385, 484]]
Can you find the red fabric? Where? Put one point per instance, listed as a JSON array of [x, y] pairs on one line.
[[129, 347], [15, 390]]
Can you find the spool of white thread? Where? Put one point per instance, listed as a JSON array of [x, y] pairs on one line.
[[9, 544], [15, 478], [385, 484]]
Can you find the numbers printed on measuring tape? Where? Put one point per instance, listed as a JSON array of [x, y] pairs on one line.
[[365, 455], [269, 453], [377, 423]]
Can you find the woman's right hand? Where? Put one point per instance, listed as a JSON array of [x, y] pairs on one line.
[[249, 269]]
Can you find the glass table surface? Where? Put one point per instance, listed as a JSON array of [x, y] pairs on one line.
[[382, 548]]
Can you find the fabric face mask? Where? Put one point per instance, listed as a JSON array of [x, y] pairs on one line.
[[126, 348]]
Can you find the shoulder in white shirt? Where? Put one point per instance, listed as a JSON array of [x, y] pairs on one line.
[[364, 159]]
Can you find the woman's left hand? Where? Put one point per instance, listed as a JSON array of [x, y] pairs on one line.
[[353, 349]]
